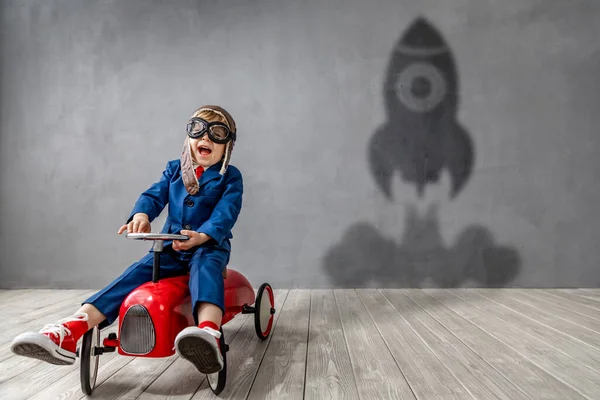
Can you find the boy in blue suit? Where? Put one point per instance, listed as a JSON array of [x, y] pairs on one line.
[[204, 196]]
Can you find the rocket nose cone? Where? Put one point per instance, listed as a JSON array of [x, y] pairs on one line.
[[421, 34]]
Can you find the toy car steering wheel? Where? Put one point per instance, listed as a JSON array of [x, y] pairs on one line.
[[158, 245], [156, 236]]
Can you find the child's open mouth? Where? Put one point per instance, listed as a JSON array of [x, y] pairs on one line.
[[204, 151]]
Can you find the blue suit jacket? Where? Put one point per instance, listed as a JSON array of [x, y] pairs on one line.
[[213, 210]]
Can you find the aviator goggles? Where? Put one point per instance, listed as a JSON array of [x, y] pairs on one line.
[[218, 132]]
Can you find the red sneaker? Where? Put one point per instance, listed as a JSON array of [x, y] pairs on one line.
[[200, 346], [55, 343]]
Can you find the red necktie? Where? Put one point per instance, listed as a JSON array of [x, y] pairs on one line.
[[199, 172]]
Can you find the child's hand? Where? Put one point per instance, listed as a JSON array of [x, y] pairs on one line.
[[195, 239], [139, 224]]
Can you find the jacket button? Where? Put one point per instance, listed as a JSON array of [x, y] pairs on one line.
[[187, 227], [189, 203]]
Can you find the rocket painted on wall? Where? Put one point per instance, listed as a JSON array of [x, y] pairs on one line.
[[420, 139], [421, 136]]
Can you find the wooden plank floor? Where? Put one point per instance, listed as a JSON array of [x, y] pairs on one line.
[[349, 344]]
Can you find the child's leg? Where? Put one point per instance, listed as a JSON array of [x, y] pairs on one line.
[[95, 317], [57, 343], [208, 312], [201, 344]]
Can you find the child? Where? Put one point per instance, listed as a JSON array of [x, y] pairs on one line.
[[204, 194]]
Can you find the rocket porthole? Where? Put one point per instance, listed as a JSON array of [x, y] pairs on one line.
[[420, 87]]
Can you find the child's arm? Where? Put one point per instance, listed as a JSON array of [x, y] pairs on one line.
[[155, 198], [227, 210]]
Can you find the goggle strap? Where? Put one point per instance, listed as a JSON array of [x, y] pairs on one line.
[[228, 118]]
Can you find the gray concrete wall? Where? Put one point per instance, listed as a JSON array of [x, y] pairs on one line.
[[378, 148]]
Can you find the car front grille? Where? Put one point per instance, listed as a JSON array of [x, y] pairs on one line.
[[137, 331]]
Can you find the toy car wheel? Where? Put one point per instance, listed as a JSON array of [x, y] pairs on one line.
[[89, 360], [217, 380], [264, 311]]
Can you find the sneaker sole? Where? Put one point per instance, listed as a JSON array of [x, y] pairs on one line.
[[200, 353], [32, 348]]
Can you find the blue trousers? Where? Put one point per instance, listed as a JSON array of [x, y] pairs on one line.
[[204, 264]]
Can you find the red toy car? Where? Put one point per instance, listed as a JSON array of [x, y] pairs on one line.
[[152, 315]]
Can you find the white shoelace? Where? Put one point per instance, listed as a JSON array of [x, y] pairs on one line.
[[59, 329]]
